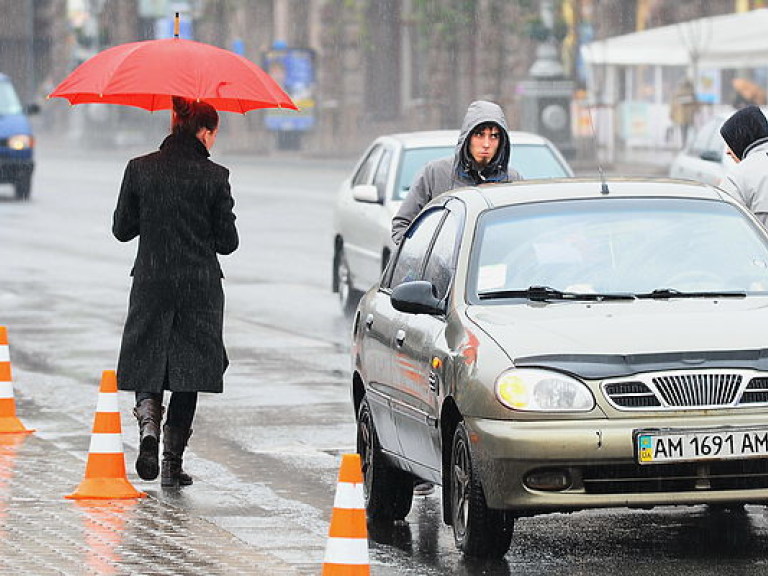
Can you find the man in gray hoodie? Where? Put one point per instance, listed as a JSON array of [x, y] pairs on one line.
[[481, 157], [746, 135]]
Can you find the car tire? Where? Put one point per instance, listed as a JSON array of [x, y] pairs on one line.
[[349, 296], [23, 187], [388, 490], [477, 529]]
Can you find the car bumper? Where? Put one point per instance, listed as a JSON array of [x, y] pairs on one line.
[[596, 467], [14, 168]]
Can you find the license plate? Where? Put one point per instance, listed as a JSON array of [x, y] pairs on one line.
[[660, 446]]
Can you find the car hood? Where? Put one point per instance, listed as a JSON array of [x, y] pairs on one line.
[[602, 340], [11, 124]]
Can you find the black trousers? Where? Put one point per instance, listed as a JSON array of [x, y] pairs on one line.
[[181, 407]]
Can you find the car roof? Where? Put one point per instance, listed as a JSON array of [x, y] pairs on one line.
[[527, 191], [428, 138]]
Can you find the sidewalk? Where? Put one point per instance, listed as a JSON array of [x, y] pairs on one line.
[[43, 533]]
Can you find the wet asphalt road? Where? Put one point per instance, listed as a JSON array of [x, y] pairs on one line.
[[266, 452]]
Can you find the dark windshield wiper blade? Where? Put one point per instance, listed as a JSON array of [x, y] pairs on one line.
[[545, 293], [662, 293]]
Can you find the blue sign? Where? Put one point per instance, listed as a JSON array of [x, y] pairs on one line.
[[294, 70]]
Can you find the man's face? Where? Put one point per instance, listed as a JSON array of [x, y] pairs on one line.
[[483, 144]]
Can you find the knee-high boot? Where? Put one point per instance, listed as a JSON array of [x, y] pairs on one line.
[[174, 442], [149, 413]]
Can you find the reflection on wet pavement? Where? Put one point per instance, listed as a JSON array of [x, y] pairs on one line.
[[43, 533]]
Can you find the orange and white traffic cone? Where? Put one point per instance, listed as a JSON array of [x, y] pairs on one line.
[[9, 423], [105, 471], [346, 553]]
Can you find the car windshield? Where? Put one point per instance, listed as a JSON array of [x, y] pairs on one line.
[[413, 160], [536, 161], [617, 246], [9, 101], [530, 160]]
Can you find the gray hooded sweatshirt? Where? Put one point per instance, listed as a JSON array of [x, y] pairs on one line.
[[459, 170]]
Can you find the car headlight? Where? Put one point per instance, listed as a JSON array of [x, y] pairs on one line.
[[20, 142], [542, 391]]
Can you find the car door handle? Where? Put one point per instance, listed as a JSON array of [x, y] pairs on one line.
[[368, 321], [400, 337]]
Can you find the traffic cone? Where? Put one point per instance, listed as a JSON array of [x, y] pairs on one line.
[[9, 423], [346, 553], [105, 471]]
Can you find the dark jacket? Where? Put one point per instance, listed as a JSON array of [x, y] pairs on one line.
[[179, 204], [456, 171]]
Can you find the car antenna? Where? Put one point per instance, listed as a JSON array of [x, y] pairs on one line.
[[603, 183]]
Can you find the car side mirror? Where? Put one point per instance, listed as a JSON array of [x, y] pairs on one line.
[[33, 109], [417, 297], [711, 156], [366, 193]]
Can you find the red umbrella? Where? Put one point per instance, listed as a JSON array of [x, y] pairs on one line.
[[146, 75]]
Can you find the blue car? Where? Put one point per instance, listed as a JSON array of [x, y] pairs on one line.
[[16, 140]]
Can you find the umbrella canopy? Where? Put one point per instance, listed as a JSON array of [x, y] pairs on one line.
[[146, 74]]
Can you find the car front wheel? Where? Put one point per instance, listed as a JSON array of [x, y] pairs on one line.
[[477, 529], [388, 490]]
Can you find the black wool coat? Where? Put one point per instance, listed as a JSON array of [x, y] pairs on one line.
[[178, 203]]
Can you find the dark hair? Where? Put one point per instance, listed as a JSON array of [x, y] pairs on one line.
[[191, 115], [744, 130]]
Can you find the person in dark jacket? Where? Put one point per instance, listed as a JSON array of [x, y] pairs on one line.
[[481, 157], [178, 203]]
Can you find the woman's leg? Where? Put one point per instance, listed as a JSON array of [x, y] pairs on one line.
[[176, 433], [181, 410], [148, 412]]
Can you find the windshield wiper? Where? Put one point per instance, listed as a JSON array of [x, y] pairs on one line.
[[662, 293], [546, 293]]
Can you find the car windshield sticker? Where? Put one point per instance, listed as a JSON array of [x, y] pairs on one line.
[[491, 277]]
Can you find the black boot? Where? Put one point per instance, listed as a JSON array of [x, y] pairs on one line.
[[174, 443], [149, 413]]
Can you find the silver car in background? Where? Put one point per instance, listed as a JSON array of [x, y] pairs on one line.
[[703, 159], [371, 196]]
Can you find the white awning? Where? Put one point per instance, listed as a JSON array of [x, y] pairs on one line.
[[727, 41]]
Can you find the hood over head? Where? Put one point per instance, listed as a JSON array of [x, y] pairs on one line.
[[481, 112], [744, 130]]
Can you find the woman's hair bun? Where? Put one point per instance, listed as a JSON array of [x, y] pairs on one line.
[[181, 106]]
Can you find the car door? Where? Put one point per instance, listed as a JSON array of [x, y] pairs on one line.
[[381, 325], [415, 409], [365, 237], [376, 333]]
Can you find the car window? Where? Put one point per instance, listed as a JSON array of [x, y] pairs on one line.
[[620, 245], [716, 143], [410, 257], [9, 100], [382, 172], [702, 139], [412, 161], [368, 166], [536, 161], [442, 258]]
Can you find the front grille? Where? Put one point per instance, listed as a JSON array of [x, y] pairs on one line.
[[631, 395], [679, 477], [756, 392], [688, 390]]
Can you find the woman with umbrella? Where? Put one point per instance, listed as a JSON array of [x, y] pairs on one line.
[[179, 204]]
